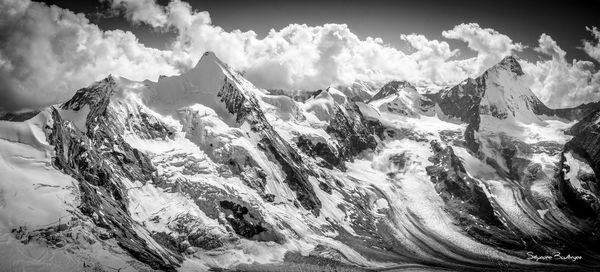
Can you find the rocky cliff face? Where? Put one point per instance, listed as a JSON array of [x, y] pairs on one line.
[[500, 94], [352, 130], [99, 159], [461, 101], [393, 87], [452, 181], [586, 141], [204, 171], [359, 91], [580, 168], [246, 109]]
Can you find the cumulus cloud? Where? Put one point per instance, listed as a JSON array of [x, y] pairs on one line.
[[549, 47], [490, 45], [592, 48], [146, 11], [560, 83], [47, 52], [301, 56], [433, 56], [297, 56]]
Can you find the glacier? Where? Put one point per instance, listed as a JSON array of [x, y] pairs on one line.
[[204, 171]]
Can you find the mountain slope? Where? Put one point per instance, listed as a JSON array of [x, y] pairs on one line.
[[580, 168], [205, 171]]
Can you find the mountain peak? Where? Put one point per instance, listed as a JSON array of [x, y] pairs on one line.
[[399, 84], [331, 94], [509, 63], [209, 54], [96, 95], [506, 95], [205, 84], [393, 87], [359, 90], [208, 59], [499, 92]]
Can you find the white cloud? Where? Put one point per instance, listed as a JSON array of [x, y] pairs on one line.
[[146, 11], [549, 47], [301, 56], [490, 45], [559, 83], [427, 49], [47, 52], [592, 48], [433, 57]]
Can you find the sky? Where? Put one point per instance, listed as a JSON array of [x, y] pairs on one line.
[[523, 21], [47, 52]]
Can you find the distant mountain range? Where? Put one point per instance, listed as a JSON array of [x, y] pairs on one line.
[[204, 171]]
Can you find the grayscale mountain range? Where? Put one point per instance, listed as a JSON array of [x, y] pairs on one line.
[[195, 171], [237, 162]]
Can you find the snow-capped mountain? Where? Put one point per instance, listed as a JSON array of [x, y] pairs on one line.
[[400, 97], [359, 90], [205, 171]]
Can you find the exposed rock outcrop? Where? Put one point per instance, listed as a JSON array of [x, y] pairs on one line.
[[353, 132], [247, 109], [392, 87], [194, 169], [579, 168], [454, 184], [99, 160]]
